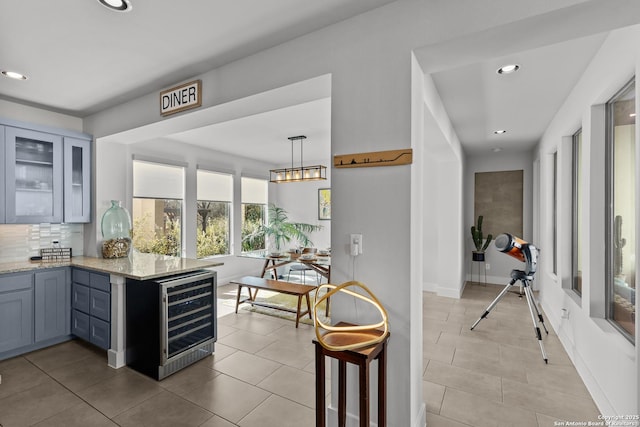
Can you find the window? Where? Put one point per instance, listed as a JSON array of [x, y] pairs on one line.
[[621, 215], [158, 191], [555, 213], [215, 198], [576, 214], [254, 212]]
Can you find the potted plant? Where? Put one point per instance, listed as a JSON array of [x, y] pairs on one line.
[[478, 241], [279, 230]]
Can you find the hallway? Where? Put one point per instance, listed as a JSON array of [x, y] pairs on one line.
[[495, 374]]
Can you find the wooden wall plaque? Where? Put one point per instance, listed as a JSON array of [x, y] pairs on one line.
[[374, 158]]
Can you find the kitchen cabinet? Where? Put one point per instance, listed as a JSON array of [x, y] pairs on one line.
[[47, 174], [52, 304], [77, 179], [16, 311], [91, 302], [33, 174]]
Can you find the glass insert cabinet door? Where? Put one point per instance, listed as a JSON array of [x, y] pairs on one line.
[[33, 176], [77, 176]]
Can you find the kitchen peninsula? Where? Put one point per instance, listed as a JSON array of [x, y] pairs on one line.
[[17, 280]]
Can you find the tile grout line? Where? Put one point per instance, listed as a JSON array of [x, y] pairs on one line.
[[68, 389]]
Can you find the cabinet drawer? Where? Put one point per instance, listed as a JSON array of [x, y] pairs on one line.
[[80, 324], [100, 281], [94, 280], [81, 276], [100, 333], [80, 298], [16, 282], [100, 304]]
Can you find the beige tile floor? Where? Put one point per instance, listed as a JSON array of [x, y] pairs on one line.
[[263, 368]]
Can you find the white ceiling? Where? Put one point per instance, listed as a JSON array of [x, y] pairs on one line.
[[480, 101], [161, 42], [264, 135]]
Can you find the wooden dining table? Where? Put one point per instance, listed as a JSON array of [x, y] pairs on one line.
[[320, 263]]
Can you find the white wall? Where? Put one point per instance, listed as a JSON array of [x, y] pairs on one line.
[[300, 200], [25, 113], [443, 199], [500, 264], [607, 362]]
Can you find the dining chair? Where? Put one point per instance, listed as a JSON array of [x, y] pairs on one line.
[[303, 268]]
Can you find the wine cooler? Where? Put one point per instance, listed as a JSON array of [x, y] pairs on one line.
[[171, 322]]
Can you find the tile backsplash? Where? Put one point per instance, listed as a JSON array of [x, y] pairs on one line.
[[19, 242]]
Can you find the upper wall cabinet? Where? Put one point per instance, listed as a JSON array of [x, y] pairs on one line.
[[46, 176], [33, 174], [77, 178]]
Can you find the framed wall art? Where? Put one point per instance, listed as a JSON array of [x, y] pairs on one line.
[[324, 203]]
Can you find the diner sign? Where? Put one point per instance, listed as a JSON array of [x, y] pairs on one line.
[[180, 98]]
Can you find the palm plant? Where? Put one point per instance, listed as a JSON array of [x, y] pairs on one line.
[[280, 230]]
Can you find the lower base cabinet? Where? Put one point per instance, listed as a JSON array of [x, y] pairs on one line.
[[16, 311], [91, 303], [52, 304], [35, 310]]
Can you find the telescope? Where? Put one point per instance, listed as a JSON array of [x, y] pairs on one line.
[[527, 253], [518, 249]]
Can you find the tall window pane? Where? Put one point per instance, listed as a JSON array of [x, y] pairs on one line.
[[254, 212], [215, 198], [555, 213], [158, 192], [622, 216], [576, 217]]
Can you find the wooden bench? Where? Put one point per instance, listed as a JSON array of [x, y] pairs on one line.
[[257, 283]]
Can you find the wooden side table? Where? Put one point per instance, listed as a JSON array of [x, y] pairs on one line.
[[361, 357]]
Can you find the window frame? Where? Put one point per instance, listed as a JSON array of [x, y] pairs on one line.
[[165, 198], [230, 203], [576, 209], [264, 209], [610, 208]]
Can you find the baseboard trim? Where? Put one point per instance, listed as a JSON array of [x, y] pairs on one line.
[[421, 419], [599, 397]]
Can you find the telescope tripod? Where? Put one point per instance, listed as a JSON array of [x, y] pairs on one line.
[[524, 279]]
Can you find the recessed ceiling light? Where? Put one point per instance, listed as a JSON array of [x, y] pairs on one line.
[[632, 115], [117, 5], [508, 69], [497, 150], [13, 75], [499, 132]]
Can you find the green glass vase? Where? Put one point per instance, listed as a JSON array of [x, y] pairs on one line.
[[116, 231]]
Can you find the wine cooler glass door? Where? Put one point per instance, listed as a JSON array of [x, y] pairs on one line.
[[190, 315]]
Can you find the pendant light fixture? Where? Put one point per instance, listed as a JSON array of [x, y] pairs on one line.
[[299, 173]]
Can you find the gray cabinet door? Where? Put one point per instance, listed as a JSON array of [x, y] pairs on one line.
[[80, 324], [52, 304], [77, 180], [80, 297], [100, 305], [100, 332], [16, 319], [33, 176]]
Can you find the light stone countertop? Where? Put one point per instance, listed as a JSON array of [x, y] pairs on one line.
[[137, 266]]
